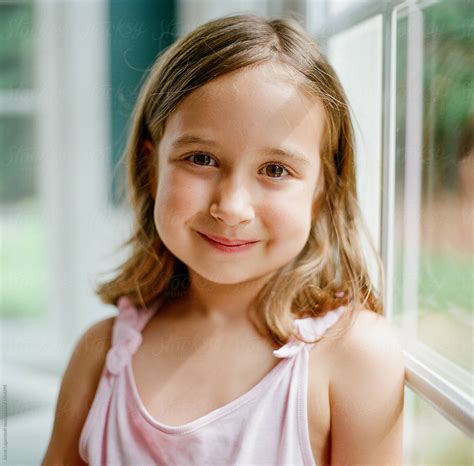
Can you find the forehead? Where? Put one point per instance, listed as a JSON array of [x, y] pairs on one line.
[[252, 106]]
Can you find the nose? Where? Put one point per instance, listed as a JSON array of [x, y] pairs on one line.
[[232, 203]]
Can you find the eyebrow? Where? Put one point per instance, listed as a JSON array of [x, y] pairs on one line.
[[189, 139]]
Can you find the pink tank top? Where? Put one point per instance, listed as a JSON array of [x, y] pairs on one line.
[[266, 425]]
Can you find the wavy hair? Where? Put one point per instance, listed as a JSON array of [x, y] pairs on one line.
[[331, 270]]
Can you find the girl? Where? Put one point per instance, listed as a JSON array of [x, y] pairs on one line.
[[236, 271]]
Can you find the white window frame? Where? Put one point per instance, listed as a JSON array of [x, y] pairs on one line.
[[82, 226], [426, 370]]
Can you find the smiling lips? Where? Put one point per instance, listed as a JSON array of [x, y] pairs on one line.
[[236, 246], [228, 242]]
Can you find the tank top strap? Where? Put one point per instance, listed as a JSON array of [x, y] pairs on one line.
[[310, 328], [126, 334]]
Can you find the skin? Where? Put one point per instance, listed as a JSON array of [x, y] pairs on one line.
[[237, 191]]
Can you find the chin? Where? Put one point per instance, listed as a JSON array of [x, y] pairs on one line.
[[224, 275]]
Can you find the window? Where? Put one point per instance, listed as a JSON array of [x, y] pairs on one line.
[[434, 196], [422, 183], [23, 242]]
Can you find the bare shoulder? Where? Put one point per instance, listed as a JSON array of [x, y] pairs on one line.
[[368, 344], [96, 340], [78, 387], [366, 387], [366, 329]]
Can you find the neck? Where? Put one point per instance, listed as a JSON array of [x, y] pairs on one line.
[[220, 304]]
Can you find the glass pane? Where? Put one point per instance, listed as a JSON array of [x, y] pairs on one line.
[[22, 254], [16, 52], [431, 439], [17, 176], [435, 178], [356, 55]]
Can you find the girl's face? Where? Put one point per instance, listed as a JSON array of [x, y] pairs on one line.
[[239, 159]]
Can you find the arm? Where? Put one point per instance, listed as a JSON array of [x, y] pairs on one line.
[[367, 395], [76, 394]]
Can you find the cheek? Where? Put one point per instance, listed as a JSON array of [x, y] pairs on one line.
[[176, 200], [289, 218]]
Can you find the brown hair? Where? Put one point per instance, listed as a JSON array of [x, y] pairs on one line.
[[331, 270]]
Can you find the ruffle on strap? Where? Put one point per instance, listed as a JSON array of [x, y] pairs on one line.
[[309, 328], [126, 337]]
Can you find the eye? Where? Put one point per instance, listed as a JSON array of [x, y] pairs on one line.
[[278, 171], [200, 157]]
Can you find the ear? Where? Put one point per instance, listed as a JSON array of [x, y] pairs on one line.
[[150, 155]]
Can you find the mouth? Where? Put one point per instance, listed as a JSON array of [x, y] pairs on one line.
[[225, 241], [228, 248]]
